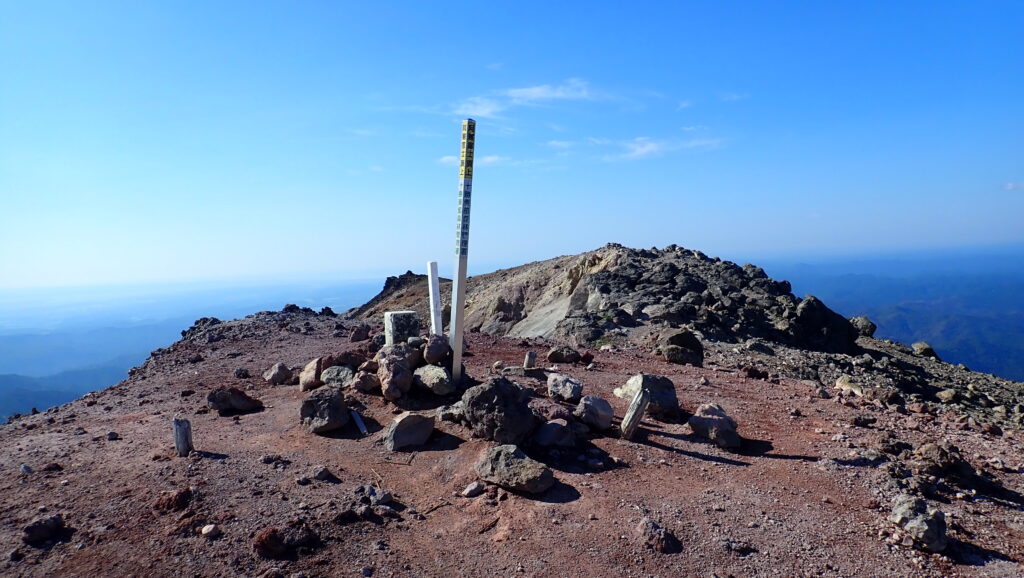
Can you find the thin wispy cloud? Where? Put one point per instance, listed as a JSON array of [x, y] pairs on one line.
[[492, 104], [560, 144], [492, 160], [684, 104], [571, 89], [733, 96], [1014, 186], [479, 106], [643, 147], [448, 160]]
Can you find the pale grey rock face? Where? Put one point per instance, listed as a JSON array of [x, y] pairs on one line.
[[925, 523], [433, 378], [711, 422]]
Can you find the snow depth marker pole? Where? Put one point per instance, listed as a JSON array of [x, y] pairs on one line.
[[461, 246], [436, 327]]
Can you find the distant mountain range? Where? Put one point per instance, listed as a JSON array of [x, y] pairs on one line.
[[21, 393]]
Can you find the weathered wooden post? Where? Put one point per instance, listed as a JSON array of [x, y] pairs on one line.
[[434, 284], [182, 436], [635, 413], [530, 361]]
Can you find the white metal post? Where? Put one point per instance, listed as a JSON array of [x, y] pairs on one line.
[[436, 327], [461, 246]]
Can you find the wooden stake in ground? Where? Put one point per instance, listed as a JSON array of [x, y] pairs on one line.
[[182, 436], [636, 410]]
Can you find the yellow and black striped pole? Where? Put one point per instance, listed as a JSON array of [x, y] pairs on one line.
[[455, 332]]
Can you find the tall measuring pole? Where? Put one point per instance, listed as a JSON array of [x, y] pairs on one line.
[[461, 245]]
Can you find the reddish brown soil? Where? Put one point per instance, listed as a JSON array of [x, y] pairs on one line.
[[795, 493]]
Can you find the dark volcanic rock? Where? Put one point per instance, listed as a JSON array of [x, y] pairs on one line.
[[498, 410], [43, 530], [324, 410], [231, 400]]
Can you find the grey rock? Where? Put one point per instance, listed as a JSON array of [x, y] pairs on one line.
[[323, 474], [434, 379], [228, 400], [436, 349], [561, 386], [309, 378], [338, 376], [555, 433], [947, 395], [924, 350], [498, 410], [922, 521], [365, 382], [664, 403], [563, 354], [278, 374], [473, 490], [508, 467], [324, 410], [710, 421], [242, 373], [595, 411], [454, 413], [413, 356], [408, 430], [864, 326]]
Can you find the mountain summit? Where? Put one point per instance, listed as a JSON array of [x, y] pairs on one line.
[[626, 412]]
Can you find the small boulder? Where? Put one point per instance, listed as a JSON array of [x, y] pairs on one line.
[[454, 413], [324, 410], [365, 382], [42, 530], [710, 421], [231, 400], [433, 378], [594, 411], [395, 377], [555, 433], [436, 349], [683, 347], [338, 375], [360, 332], [408, 430], [563, 387], [309, 378], [473, 490], [947, 395], [664, 403], [547, 410], [658, 538], [923, 522], [507, 466], [278, 374], [283, 542], [498, 410], [242, 373], [922, 349], [563, 354], [864, 326]]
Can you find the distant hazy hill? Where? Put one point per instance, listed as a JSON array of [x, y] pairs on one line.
[[20, 393]]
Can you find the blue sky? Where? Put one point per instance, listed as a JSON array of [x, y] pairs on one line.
[[154, 142]]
